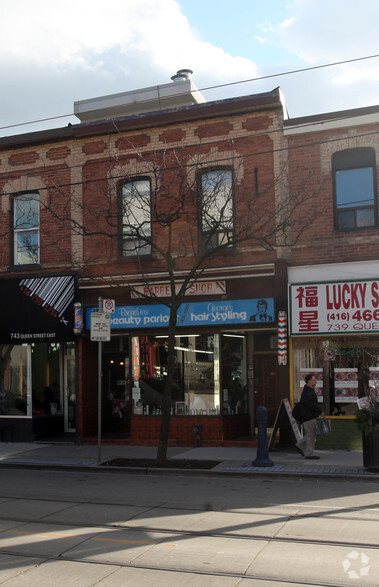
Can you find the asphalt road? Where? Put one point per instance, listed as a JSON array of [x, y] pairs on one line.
[[100, 528]]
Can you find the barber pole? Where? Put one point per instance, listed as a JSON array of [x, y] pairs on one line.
[[78, 318], [282, 338]]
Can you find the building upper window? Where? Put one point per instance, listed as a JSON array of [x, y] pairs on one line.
[[216, 207], [135, 217], [26, 229], [354, 175]]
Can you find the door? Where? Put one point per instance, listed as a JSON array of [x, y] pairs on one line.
[[69, 394], [265, 383]]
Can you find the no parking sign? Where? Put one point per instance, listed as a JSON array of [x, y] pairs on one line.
[[109, 306]]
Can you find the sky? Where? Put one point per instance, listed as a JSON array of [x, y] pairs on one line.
[[55, 53]]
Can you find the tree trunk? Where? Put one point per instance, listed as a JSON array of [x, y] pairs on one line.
[[166, 407]]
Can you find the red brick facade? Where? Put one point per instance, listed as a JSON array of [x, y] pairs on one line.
[[310, 156]]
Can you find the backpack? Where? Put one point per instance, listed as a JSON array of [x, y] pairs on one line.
[[296, 412]]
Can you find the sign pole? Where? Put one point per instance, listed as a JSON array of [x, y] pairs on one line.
[[99, 382], [100, 331], [99, 376]]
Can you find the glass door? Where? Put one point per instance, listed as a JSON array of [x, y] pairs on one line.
[[69, 392]]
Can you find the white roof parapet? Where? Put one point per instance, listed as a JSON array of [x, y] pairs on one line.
[[182, 92]]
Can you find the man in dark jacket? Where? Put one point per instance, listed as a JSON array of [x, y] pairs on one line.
[[310, 410]]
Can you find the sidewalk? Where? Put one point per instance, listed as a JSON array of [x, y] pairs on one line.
[[232, 461]]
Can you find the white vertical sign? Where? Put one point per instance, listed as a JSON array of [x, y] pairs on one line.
[[100, 327]]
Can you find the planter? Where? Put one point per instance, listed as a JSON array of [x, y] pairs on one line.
[[370, 446]]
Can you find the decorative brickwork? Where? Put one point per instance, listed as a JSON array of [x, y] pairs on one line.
[[172, 136], [23, 158], [215, 129], [95, 148], [131, 142], [256, 123], [58, 153]]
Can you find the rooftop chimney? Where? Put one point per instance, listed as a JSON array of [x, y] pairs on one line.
[[182, 75]]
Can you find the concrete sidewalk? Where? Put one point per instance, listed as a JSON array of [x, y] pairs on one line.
[[231, 460]]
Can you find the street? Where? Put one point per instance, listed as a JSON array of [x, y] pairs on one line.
[[130, 529]]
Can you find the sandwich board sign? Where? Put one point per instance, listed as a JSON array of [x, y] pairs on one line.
[[284, 407]]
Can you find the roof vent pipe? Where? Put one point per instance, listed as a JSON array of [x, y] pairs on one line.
[[182, 75]]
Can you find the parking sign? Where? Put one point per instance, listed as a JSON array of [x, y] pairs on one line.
[[109, 306], [100, 327]]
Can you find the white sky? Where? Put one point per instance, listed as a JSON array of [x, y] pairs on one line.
[[54, 53]]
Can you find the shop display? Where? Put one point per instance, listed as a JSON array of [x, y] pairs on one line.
[[345, 385]]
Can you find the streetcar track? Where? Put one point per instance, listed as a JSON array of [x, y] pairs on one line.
[[205, 573], [323, 510], [183, 533]]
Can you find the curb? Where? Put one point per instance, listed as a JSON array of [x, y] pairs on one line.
[[256, 473]]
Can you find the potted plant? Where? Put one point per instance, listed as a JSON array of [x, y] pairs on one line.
[[367, 419]]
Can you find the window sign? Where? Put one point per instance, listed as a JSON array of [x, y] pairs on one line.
[[345, 385], [374, 377], [343, 307], [136, 360]]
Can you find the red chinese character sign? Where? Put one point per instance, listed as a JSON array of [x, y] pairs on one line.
[[343, 307]]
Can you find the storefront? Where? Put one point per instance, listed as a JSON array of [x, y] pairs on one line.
[[221, 345], [334, 327], [37, 357]]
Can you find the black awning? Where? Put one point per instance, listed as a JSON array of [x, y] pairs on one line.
[[37, 309]]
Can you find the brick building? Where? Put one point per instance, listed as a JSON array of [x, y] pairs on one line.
[[65, 241], [333, 269]]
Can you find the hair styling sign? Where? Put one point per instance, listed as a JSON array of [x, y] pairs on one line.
[[217, 312], [340, 307]]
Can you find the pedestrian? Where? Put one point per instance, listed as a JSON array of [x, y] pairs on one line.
[[309, 412]]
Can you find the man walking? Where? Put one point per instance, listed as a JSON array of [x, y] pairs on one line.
[[309, 410]]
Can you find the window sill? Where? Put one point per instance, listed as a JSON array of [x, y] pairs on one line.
[[23, 268], [133, 258], [356, 228]]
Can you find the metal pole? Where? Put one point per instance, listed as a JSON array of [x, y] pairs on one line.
[[99, 403], [262, 459], [99, 386]]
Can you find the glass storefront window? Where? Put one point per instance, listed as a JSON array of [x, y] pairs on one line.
[[30, 379], [233, 373], [14, 386], [116, 385], [196, 380], [345, 368], [46, 396]]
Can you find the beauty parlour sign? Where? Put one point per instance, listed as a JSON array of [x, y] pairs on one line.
[[340, 307]]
